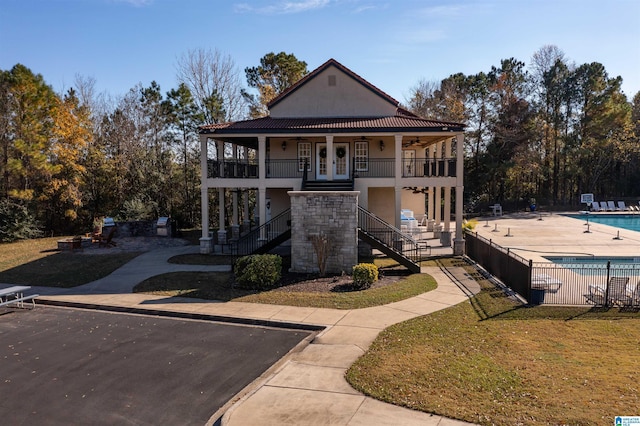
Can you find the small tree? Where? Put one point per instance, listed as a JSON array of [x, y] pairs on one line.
[[321, 247], [16, 223]]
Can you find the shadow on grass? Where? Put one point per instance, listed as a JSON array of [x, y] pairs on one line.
[[492, 304], [65, 269]]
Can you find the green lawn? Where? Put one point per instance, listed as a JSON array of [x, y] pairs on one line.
[[494, 362], [37, 262]]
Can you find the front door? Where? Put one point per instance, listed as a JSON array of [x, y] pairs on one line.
[[340, 161]]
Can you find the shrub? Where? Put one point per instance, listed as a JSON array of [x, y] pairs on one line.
[[258, 271], [364, 274], [16, 223], [469, 225]]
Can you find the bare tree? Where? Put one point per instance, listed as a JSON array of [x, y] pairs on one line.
[[215, 83]]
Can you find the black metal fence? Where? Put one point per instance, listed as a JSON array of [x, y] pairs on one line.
[[508, 267], [570, 282]]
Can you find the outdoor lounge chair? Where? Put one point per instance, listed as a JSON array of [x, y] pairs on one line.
[[595, 206], [621, 206], [634, 295], [545, 282], [611, 206], [618, 294]]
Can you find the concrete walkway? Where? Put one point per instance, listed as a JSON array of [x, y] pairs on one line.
[[307, 387]]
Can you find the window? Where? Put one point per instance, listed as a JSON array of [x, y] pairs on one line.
[[361, 156], [304, 154]]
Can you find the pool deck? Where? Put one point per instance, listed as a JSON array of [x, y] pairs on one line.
[[534, 235]]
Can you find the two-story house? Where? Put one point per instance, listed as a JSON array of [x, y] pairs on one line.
[[335, 158]]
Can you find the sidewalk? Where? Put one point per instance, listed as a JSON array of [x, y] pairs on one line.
[[307, 387]]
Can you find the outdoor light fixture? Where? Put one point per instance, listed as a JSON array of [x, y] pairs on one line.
[[381, 145], [284, 145]]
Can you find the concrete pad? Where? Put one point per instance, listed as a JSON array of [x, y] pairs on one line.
[[340, 356], [311, 377], [326, 316], [293, 314], [416, 305], [374, 412], [271, 406], [379, 317], [557, 234], [341, 335], [449, 299], [257, 310]]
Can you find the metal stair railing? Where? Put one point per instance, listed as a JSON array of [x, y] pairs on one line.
[[263, 236], [390, 237]]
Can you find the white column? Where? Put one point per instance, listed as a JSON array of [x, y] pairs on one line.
[[262, 176], [438, 190], [245, 202], [262, 159], [221, 209], [234, 216], [397, 153], [204, 189], [262, 208], [397, 172], [432, 190], [447, 190], [330, 159], [398, 206], [205, 241], [458, 243]]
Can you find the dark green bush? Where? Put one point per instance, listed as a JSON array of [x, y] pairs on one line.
[[364, 274], [16, 223], [258, 271]]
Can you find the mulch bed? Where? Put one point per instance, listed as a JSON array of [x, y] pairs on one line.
[[296, 282]]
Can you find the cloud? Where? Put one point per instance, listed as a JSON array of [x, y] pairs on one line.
[[282, 7]]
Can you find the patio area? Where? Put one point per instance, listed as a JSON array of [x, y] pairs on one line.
[[569, 278], [535, 235]]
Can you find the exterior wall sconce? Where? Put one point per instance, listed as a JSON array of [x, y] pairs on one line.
[[284, 145], [381, 145]]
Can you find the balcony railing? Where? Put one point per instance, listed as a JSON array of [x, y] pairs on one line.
[[366, 168]]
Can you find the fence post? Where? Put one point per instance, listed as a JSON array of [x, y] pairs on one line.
[[606, 300]]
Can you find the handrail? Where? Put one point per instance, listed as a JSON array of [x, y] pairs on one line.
[[262, 235], [304, 173], [388, 235]]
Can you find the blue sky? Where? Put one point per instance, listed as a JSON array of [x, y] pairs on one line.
[[391, 43]]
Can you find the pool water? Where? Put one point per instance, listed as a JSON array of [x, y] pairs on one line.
[[593, 260], [630, 222]]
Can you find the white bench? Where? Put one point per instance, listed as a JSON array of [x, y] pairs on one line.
[[15, 294]]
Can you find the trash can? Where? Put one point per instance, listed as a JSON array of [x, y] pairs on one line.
[[445, 238], [537, 296], [163, 227]]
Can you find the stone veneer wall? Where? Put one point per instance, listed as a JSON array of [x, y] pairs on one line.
[[332, 213]]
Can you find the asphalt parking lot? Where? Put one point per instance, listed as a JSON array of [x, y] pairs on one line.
[[73, 366]]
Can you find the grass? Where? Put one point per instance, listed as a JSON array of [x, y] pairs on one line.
[[492, 361], [218, 286], [37, 262]]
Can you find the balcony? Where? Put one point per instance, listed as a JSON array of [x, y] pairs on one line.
[[369, 168]]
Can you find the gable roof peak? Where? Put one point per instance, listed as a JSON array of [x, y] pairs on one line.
[[332, 62]]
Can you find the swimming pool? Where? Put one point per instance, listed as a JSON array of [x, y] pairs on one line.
[[624, 221], [593, 260]]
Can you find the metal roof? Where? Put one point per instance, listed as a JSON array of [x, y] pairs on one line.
[[398, 123]]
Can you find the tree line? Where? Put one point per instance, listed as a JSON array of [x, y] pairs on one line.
[[550, 130]]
